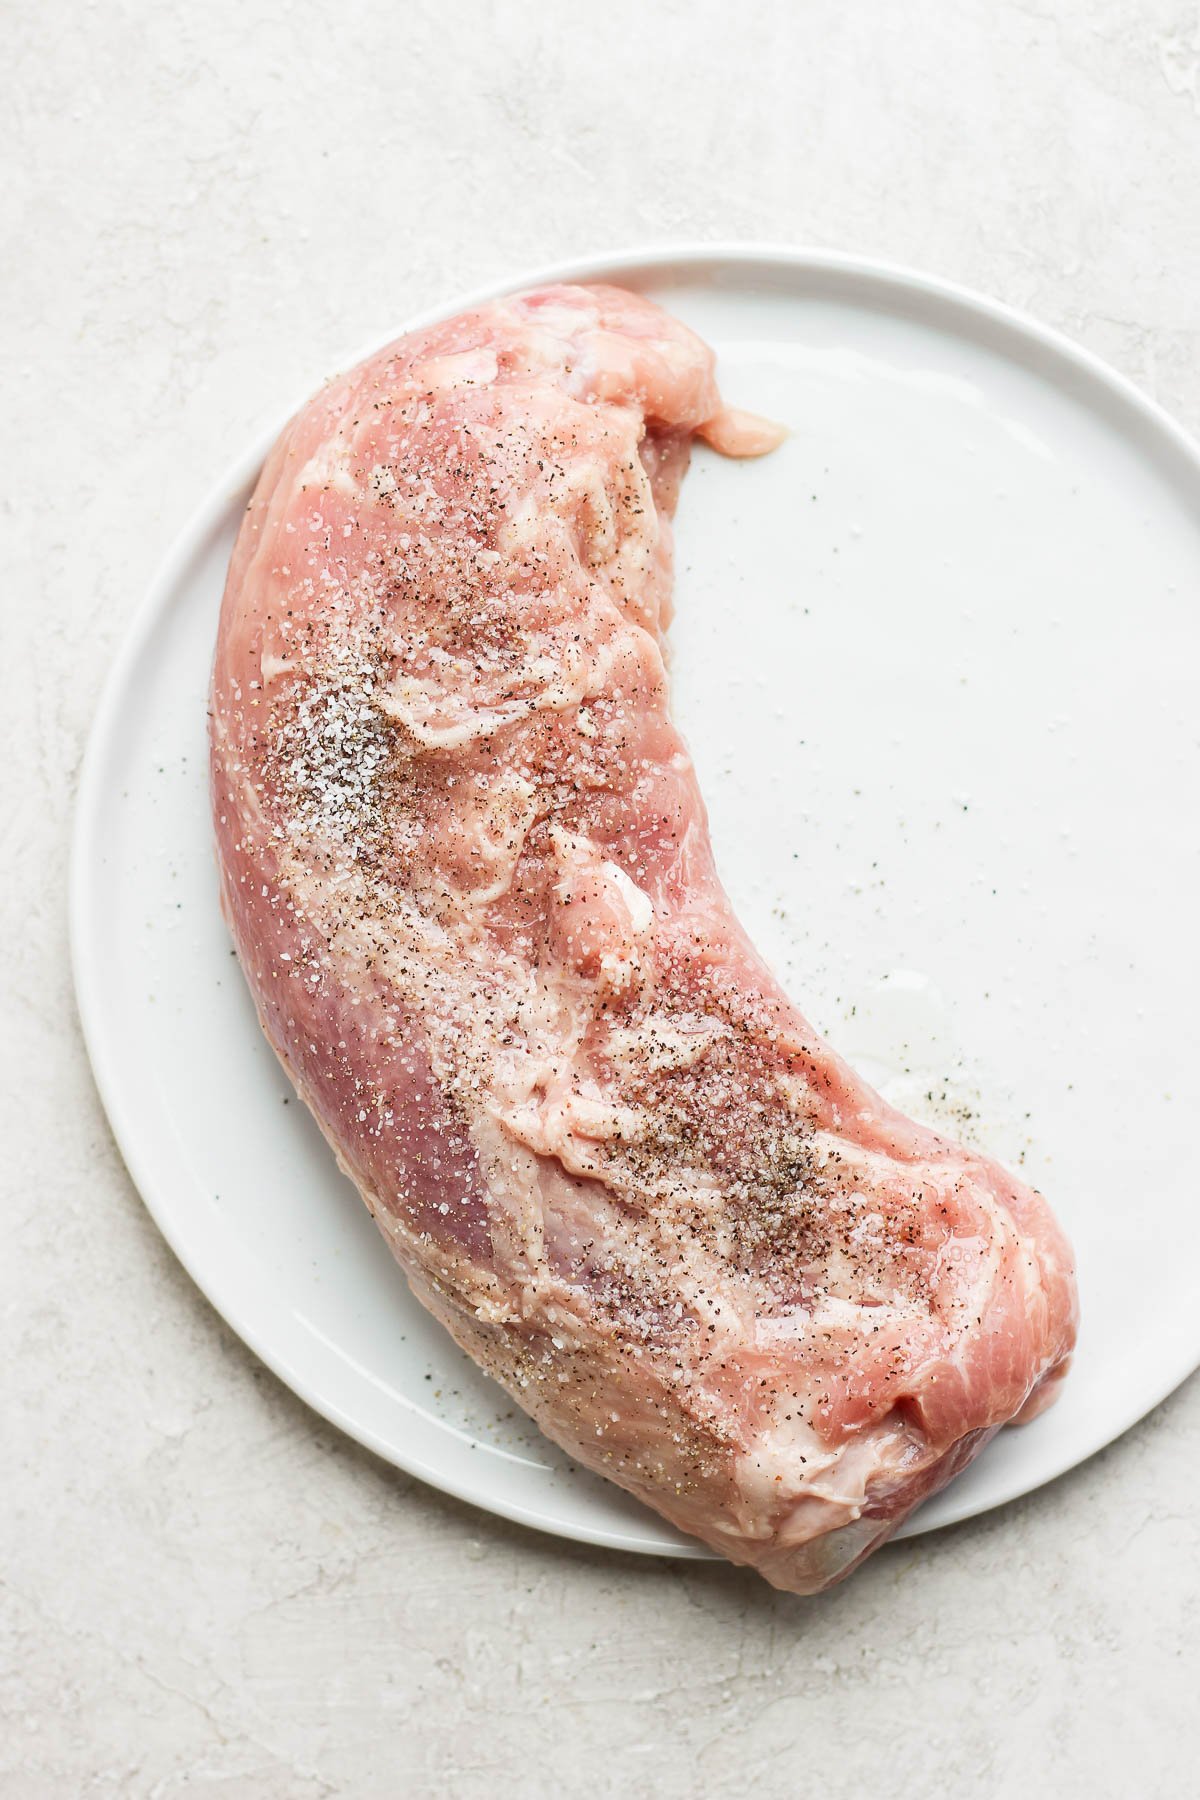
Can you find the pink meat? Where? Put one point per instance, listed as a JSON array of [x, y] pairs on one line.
[[467, 870]]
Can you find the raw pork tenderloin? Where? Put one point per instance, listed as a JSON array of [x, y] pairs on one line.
[[467, 870]]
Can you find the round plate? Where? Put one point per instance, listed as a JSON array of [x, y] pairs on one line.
[[936, 661]]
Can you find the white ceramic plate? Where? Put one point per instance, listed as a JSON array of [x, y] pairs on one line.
[[936, 661]]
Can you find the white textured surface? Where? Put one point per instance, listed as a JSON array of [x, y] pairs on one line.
[[207, 1590]]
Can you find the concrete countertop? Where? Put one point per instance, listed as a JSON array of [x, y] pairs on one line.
[[207, 1589]]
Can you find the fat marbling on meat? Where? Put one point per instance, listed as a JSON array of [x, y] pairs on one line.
[[467, 869]]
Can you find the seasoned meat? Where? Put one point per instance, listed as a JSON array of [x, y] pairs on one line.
[[467, 870]]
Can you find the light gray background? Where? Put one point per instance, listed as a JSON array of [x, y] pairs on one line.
[[206, 1589]]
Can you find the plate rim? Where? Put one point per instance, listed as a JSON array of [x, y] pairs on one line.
[[653, 258]]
